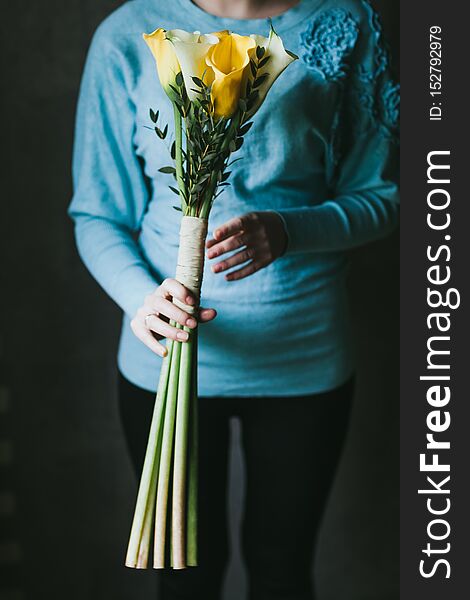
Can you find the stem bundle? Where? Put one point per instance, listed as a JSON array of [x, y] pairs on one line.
[[167, 494]]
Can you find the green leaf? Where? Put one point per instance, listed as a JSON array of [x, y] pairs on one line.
[[204, 178], [238, 143], [232, 146], [154, 115], [168, 170], [242, 104], [173, 150], [245, 128], [263, 62], [226, 175], [161, 134], [209, 157], [260, 52], [179, 79], [253, 67], [178, 208], [198, 82], [252, 99], [259, 80], [174, 190]]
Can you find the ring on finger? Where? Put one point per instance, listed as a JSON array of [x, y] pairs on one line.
[[146, 319]]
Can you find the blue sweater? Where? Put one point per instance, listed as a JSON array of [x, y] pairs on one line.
[[322, 153]]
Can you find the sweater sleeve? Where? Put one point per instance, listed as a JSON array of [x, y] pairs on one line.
[[363, 202], [110, 189]]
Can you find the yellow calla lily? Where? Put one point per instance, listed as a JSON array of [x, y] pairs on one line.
[[222, 60], [279, 60], [168, 65], [191, 50], [221, 34], [230, 63]]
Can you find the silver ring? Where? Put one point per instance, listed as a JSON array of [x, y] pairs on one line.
[[147, 317]]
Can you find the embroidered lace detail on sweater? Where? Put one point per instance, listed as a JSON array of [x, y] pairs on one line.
[[368, 98], [328, 41], [372, 88]]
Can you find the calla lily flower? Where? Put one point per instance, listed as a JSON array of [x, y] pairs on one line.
[[191, 50], [221, 60], [279, 60], [168, 65], [230, 64]]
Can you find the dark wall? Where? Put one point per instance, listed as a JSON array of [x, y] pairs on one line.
[[66, 488]]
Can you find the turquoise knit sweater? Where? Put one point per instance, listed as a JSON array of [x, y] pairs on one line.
[[322, 153]]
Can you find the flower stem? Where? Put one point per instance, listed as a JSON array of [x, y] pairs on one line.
[[137, 552], [231, 134], [191, 547], [165, 460], [179, 155], [178, 523]]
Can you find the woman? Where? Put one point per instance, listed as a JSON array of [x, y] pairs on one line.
[[316, 179]]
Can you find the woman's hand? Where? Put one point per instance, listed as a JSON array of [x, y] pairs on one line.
[[260, 236], [150, 323]]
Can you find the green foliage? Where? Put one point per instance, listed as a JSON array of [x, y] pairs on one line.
[[245, 128], [259, 80], [168, 170], [161, 134], [179, 79], [263, 62], [199, 82]]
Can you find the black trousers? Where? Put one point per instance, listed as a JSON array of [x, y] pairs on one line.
[[291, 447]]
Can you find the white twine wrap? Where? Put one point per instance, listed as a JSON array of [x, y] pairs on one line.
[[193, 232]]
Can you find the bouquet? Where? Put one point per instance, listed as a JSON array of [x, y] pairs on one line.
[[216, 83]]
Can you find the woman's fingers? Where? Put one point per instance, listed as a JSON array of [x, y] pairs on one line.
[[244, 271], [150, 322], [147, 337], [164, 307], [260, 238], [232, 243], [207, 314], [174, 289], [236, 259], [154, 323], [233, 227]]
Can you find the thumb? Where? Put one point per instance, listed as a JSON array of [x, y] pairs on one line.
[[207, 314]]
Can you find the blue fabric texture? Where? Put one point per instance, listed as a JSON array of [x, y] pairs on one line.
[[322, 153]]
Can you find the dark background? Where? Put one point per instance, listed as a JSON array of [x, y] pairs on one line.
[[66, 486]]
